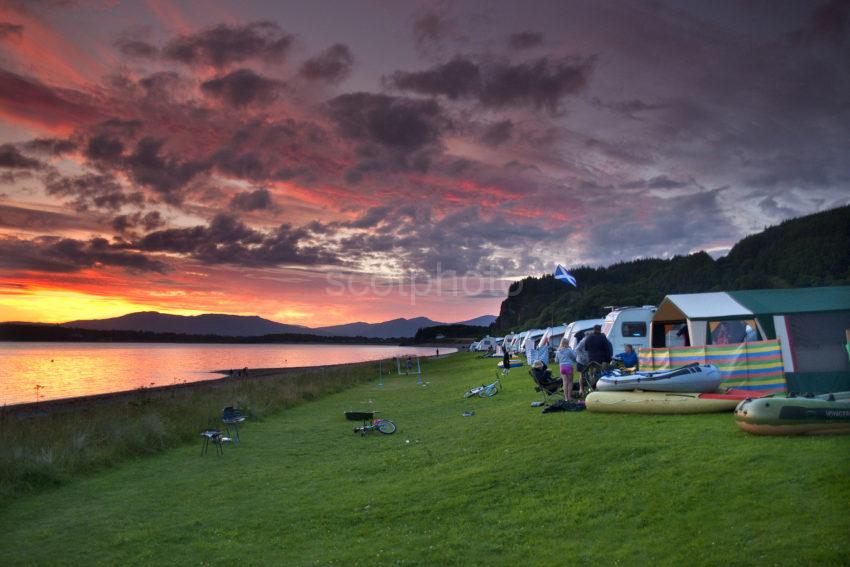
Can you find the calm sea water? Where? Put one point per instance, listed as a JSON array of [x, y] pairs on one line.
[[65, 370]]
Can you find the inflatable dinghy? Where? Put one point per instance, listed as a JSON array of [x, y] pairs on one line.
[[663, 402], [795, 415], [694, 378]]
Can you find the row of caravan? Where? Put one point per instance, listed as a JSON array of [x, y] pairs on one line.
[[622, 326]]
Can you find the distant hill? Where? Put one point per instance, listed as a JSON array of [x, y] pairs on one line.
[[483, 321], [808, 251], [207, 324], [253, 326], [393, 328]]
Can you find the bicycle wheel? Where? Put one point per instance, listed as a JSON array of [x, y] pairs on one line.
[[386, 427], [473, 392], [489, 391]]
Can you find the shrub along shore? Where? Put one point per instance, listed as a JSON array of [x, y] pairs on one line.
[[44, 444]]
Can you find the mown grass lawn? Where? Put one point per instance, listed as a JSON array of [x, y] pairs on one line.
[[506, 486]]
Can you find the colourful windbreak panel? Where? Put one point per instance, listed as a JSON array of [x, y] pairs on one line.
[[753, 366]]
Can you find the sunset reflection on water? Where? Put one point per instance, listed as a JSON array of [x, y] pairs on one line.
[[64, 370]]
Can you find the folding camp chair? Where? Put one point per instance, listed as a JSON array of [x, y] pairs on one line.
[[548, 386], [232, 416], [215, 437]]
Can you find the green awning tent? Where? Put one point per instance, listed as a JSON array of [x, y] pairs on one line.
[[811, 325]]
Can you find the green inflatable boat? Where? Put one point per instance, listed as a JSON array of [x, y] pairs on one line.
[[795, 414]]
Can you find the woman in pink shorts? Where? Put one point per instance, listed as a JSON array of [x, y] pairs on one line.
[[566, 359]]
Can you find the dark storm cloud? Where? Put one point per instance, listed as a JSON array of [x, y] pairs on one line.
[[333, 64], [166, 174], [257, 200], [223, 44], [51, 146], [91, 190], [12, 158], [525, 39], [498, 133], [227, 240], [104, 147], [66, 255], [394, 122], [243, 87], [148, 221], [540, 83], [459, 78], [391, 133], [136, 48], [11, 31], [160, 84]]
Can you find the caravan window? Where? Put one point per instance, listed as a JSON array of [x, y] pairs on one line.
[[636, 329]]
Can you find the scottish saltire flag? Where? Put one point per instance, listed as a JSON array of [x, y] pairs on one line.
[[563, 275]]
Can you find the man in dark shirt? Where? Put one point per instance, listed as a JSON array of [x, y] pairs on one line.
[[599, 348]]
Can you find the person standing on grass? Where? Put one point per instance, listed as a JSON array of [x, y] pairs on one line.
[[566, 358], [506, 361]]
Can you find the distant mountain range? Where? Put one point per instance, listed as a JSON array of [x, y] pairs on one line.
[[253, 326]]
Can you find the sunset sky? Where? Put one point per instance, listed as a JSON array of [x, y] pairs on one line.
[[325, 162]]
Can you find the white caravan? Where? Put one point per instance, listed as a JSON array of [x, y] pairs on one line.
[[529, 335], [628, 325], [580, 326]]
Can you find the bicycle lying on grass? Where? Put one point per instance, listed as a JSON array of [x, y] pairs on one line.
[[370, 423], [485, 391]]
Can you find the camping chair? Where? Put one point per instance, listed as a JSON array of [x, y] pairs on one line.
[[548, 386], [215, 437], [232, 416]]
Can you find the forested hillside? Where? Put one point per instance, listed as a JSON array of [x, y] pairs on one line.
[[807, 251]]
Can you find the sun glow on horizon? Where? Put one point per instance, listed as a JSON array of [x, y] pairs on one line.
[[55, 306]]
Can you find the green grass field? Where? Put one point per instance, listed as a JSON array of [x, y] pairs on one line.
[[506, 486]]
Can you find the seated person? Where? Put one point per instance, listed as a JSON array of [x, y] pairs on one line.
[[541, 373], [628, 357]]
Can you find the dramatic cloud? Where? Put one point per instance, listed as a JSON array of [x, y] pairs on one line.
[[459, 78], [56, 255], [136, 48], [242, 87], [229, 241], [12, 158], [525, 39], [541, 83], [222, 45], [394, 122], [148, 221], [92, 191], [252, 201], [332, 65], [51, 146]]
